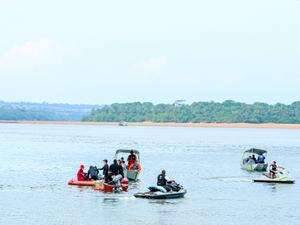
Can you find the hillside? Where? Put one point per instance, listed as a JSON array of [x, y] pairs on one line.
[[43, 111]]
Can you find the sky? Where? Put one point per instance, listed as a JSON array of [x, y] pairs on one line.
[[101, 52]]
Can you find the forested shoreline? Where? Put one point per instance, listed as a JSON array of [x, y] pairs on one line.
[[209, 112]]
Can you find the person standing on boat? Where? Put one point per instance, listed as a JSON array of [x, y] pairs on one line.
[[105, 168], [274, 169], [131, 159], [114, 168], [120, 168]]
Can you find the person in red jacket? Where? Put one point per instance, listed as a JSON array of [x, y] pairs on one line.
[[131, 159], [81, 174]]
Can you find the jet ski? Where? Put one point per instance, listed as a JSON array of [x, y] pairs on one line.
[[282, 176], [157, 192]]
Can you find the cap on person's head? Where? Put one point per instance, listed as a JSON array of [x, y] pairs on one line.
[[131, 152], [105, 160], [163, 171]]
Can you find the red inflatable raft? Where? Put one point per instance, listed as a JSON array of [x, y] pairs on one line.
[[111, 188], [81, 183]]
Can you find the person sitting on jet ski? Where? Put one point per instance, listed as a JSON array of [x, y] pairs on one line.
[[162, 181]]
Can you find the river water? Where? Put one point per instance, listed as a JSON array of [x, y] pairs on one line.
[[36, 162]]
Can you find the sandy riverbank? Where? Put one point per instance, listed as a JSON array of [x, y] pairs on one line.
[[206, 125]]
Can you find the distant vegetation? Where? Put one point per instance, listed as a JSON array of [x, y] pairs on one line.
[[226, 112], [43, 111]]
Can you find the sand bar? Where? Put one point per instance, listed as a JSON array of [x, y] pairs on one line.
[[153, 124]]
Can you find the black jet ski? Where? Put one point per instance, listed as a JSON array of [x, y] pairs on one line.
[[156, 192]]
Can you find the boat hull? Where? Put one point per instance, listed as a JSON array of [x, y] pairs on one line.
[[81, 183], [132, 175], [255, 167], [273, 181], [161, 195]]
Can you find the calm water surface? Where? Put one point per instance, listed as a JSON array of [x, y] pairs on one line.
[[37, 160]]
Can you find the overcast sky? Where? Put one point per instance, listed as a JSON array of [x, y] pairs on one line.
[[123, 51]]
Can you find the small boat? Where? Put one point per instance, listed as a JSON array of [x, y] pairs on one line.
[[160, 193], [249, 164], [123, 124], [282, 177], [81, 183], [131, 175], [105, 187]]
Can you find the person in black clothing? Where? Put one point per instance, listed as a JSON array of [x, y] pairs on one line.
[[120, 168], [105, 168], [114, 168], [122, 159], [161, 179], [169, 185], [108, 178], [93, 173]]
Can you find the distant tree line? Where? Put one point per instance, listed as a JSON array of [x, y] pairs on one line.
[[211, 112], [43, 111]]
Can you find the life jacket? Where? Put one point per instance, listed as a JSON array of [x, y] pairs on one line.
[[137, 167], [131, 160]]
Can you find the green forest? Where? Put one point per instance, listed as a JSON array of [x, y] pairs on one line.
[[210, 112]]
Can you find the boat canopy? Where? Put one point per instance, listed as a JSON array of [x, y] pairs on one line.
[[256, 151], [127, 151]]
